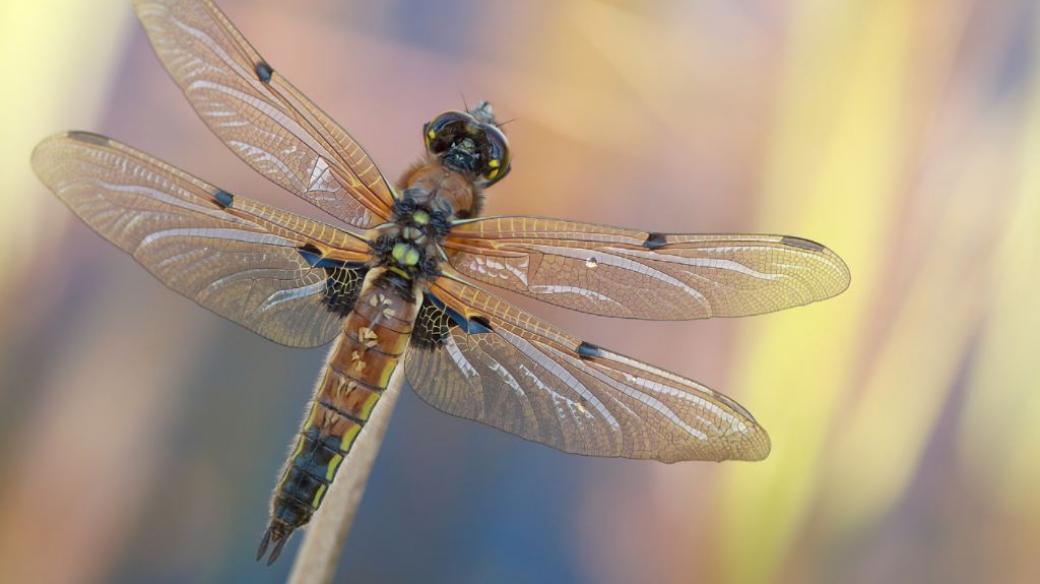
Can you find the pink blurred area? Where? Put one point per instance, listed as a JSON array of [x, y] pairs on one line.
[[140, 435]]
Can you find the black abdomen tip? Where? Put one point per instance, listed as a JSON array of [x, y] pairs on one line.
[[275, 537]]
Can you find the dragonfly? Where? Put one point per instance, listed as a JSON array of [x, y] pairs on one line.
[[400, 283]]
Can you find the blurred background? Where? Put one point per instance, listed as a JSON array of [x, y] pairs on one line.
[[140, 435]]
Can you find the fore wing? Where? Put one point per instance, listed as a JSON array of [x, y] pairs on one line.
[[259, 115], [283, 276], [626, 273], [475, 356]]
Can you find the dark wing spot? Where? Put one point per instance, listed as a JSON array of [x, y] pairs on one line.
[[655, 241], [472, 326], [801, 243], [88, 137], [589, 351], [343, 281], [478, 325], [435, 322], [432, 324], [343, 286], [316, 259], [264, 72], [311, 253], [224, 198]]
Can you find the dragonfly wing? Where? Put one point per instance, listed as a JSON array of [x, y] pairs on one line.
[[626, 273], [477, 357], [283, 276], [259, 115]]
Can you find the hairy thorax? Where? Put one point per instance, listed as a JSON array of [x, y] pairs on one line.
[[429, 178], [430, 197]]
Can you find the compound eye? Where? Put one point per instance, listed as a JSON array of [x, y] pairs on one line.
[[443, 131], [497, 165]]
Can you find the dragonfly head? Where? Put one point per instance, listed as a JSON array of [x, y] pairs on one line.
[[471, 143]]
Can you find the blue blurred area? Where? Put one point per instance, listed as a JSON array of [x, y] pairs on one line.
[[441, 27]]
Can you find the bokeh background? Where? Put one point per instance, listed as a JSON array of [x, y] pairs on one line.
[[140, 435]]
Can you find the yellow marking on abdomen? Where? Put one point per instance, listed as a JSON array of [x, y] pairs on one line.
[[348, 438], [318, 496], [333, 466]]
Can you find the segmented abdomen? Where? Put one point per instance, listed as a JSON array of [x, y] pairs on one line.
[[358, 369]]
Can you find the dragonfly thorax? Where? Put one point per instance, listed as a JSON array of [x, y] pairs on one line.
[[409, 243]]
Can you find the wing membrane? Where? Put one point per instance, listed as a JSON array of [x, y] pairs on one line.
[[625, 273], [260, 115], [234, 256], [489, 361]]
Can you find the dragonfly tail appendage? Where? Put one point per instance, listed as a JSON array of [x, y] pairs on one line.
[[276, 535]]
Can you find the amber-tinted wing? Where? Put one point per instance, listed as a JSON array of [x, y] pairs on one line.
[[260, 115], [473, 355], [636, 274], [284, 276]]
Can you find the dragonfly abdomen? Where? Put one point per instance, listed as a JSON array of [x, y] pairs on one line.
[[357, 371]]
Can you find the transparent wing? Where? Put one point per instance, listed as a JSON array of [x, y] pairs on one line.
[[276, 273], [636, 274], [477, 357], [260, 115]]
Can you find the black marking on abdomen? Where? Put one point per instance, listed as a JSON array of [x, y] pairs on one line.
[[293, 503], [589, 351], [264, 72], [223, 198], [303, 484], [316, 455], [88, 137], [304, 478], [342, 413], [400, 285], [655, 241], [801, 243]]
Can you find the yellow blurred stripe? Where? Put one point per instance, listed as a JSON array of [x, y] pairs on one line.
[[832, 175], [56, 58], [1000, 443], [880, 444]]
